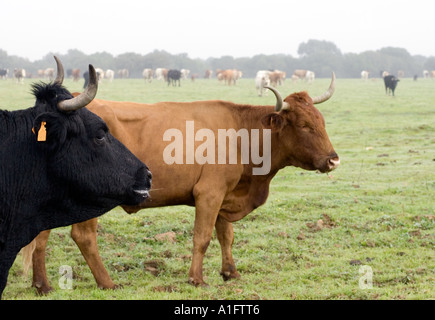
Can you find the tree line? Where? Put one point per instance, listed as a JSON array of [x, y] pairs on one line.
[[319, 56]]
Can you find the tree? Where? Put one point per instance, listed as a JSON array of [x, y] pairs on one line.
[[316, 47]]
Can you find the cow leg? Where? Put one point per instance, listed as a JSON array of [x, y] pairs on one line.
[[207, 209], [85, 236], [39, 280], [225, 234]]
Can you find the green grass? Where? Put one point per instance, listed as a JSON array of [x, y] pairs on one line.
[[378, 208]]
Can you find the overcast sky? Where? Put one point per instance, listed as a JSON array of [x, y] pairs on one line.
[[204, 28]]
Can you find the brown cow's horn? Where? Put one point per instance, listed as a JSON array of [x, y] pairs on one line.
[[60, 72], [280, 104], [328, 94], [85, 97]]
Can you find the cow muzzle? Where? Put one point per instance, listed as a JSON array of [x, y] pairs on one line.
[[333, 162], [143, 183]]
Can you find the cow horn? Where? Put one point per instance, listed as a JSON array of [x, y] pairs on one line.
[[328, 94], [85, 97], [60, 72], [280, 104]]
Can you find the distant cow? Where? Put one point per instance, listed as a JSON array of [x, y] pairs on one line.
[[109, 75], [59, 166], [49, 74], [390, 84], [147, 74], [229, 76], [309, 76], [262, 79], [304, 75], [185, 73], [208, 74], [384, 74], [161, 74], [75, 74], [300, 73], [123, 73], [364, 75], [173, 77], [4, 73], [100, 74], [19, 75]]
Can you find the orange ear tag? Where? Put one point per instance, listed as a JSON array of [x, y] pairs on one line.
[[42, 133]]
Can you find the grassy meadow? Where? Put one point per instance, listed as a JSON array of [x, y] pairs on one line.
[[317, 237]]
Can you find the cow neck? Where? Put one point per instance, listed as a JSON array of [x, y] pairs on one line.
[[12, 123], [250, 117]]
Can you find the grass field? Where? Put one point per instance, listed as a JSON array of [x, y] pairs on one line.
[[317, 237]]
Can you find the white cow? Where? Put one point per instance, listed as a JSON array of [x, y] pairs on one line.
[[310, 75], [147, 74], [364, 75], [184, 73], [161, 73], [100, 74], [262, 79], [109, 74]]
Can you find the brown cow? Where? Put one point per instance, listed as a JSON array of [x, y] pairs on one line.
[[276, 78], [208, 74], [294, 130], [230, 76]]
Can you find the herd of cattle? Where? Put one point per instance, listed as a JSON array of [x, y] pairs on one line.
[[263, 78], [70, 158]]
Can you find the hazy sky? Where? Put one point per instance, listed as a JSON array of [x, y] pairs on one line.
[[204, 28]]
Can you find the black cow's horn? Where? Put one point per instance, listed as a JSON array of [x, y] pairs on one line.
[[60, 72], [280, 104], [328, 94], [85, 97]]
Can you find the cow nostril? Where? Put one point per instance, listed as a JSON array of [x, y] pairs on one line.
[[334, 162]]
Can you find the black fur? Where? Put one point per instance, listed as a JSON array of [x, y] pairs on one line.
[[390, 84], [79, 172], [174, 76]]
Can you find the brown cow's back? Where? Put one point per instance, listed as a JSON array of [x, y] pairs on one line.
[[142, 127]]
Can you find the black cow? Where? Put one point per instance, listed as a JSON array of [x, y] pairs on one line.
[[390, 84], [174, 76], [4, 73], [59, 165]]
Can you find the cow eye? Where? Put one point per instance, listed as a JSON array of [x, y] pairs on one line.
[[100, 137], [306, 127]]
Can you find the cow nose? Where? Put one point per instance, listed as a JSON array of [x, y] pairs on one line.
[[149, 176], [334, 162]]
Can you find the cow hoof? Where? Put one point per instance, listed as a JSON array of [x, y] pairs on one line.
[[198, 283], [42, 289], [226, 275], [112, 287]]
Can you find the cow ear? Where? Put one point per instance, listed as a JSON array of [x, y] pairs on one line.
[[273, 121], [49, 130]]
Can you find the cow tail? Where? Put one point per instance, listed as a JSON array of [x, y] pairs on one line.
[[27, 253]]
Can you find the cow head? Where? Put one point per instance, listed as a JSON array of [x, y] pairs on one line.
[[302, 138], [80, 152]]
